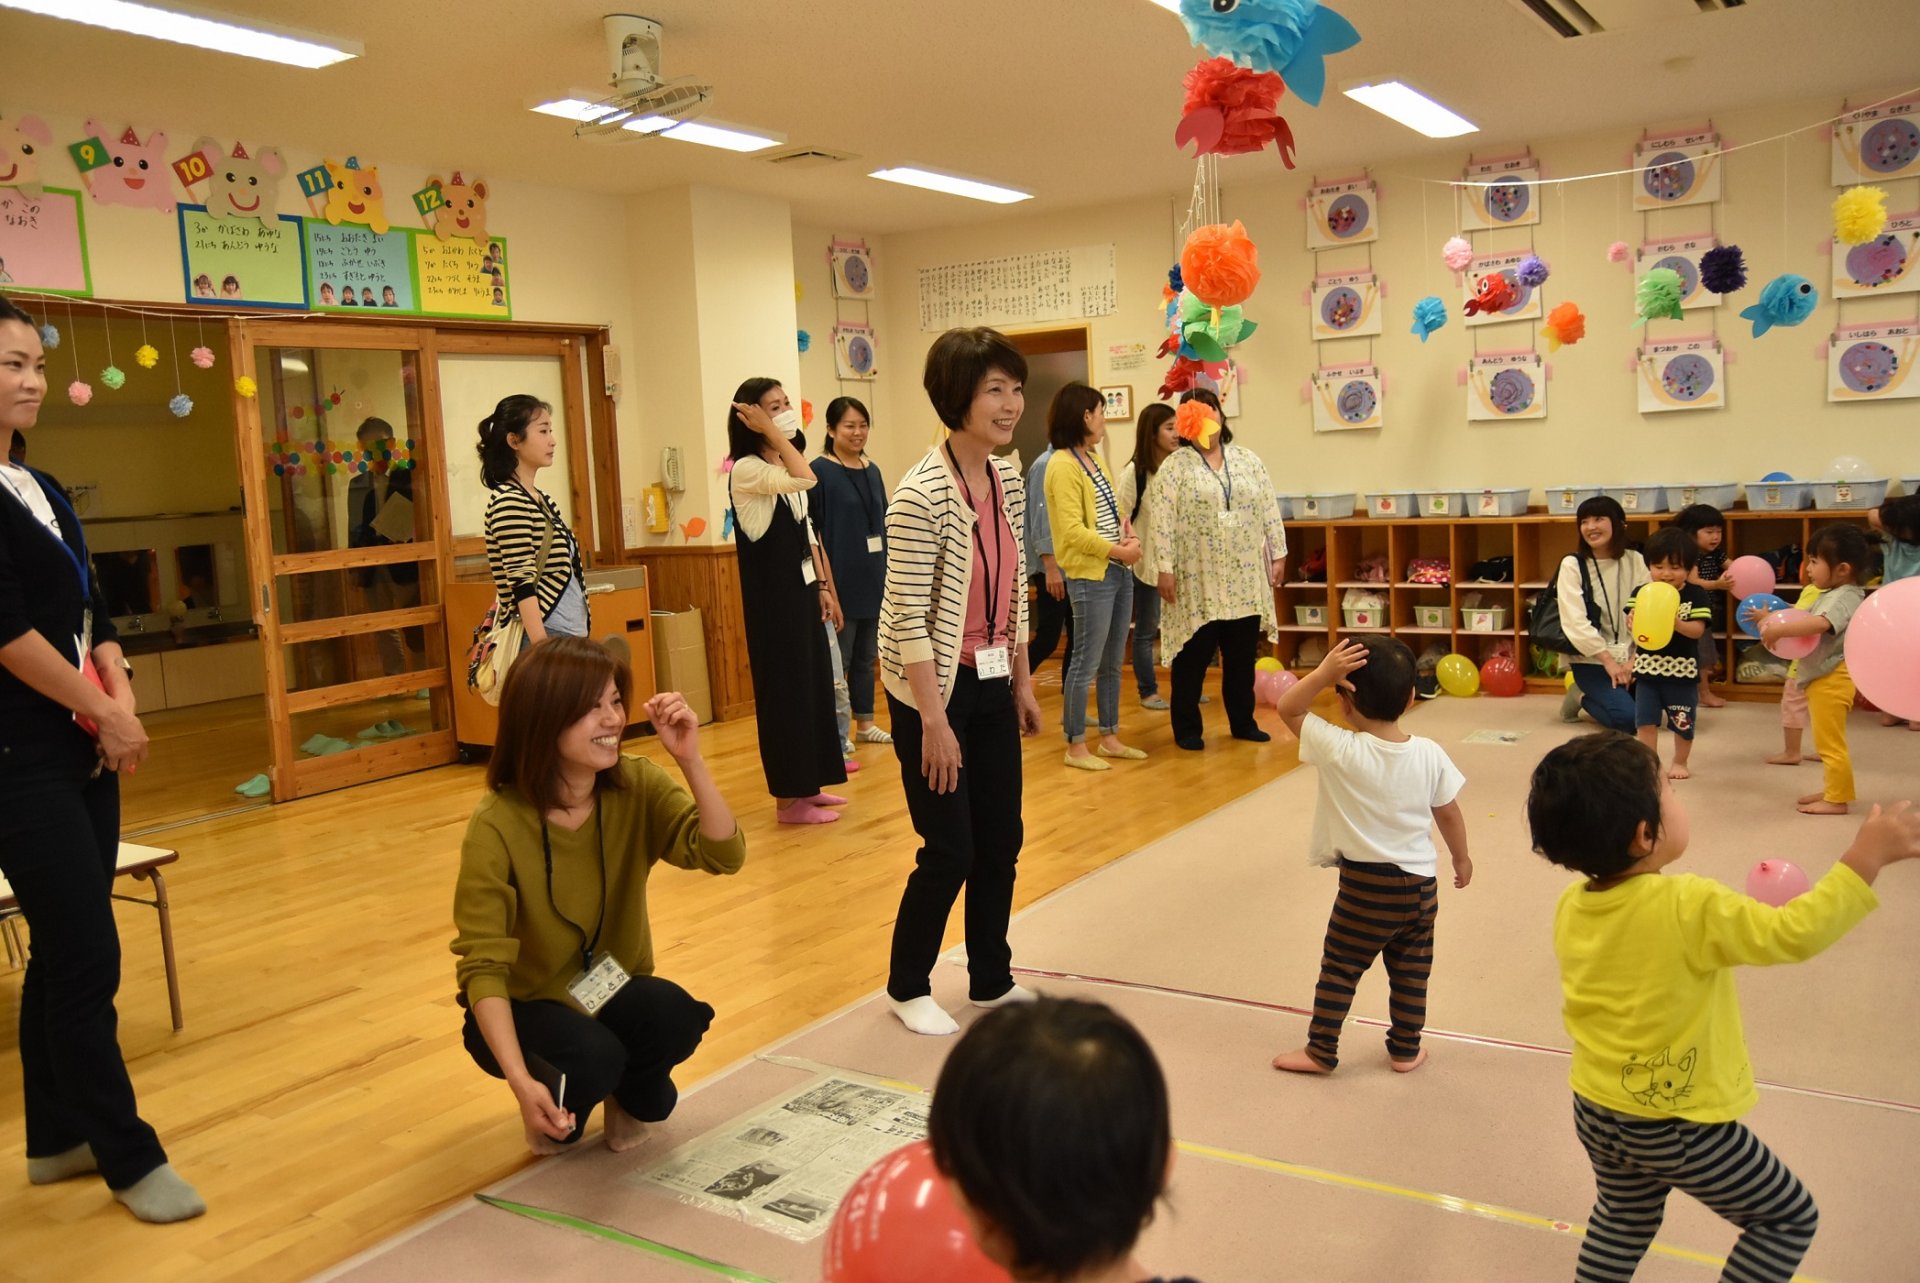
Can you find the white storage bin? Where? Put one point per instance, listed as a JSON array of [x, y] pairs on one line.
[[1433, 616], [1637, 499], [1320, 507], [1483, 619], [1779, 496], [1369, 617], [1390, 505], [1910, 485], [1497, 503], [1440, 503], [1715, 494], [1565, 501], [1843, 495], [1310, 616]]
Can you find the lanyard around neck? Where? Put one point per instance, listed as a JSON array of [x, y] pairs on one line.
[[1100, 486], [1222, 478], [981, 538], [587, 945]]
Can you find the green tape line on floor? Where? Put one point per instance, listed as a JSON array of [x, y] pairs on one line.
[[625, 1239]]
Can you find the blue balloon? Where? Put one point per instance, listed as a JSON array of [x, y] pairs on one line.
[[1776, 476], [1743, 614]]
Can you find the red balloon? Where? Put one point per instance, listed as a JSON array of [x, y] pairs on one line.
[[899, 1222], [1501, 676]]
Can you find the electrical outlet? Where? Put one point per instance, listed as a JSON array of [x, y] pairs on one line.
[[85, 497], [630, 522]]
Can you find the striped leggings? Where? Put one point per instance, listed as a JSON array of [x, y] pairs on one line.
[[1724, 1165], [1380, 911]]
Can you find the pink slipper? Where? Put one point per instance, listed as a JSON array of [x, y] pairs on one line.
[[852, 766], [827, 799], [805, 813]]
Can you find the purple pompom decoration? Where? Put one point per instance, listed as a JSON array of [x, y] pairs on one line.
[[1533, 271], [1723, 269]]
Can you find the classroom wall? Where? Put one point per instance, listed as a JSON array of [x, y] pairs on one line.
[[818, 312]]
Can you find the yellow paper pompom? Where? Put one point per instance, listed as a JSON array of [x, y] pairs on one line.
[[246, 387], [1859, 215], [148, 356]]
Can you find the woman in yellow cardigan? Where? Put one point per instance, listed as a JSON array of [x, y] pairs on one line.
[[1094, 545]]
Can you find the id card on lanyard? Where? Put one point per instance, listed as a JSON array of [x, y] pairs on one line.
[[990, 661], [597, 981]]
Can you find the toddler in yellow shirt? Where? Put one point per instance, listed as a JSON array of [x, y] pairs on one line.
[[1660, 1069]]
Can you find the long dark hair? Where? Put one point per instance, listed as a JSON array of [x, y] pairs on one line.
[[1146, 451], [509, 418], [837, 410], [742, 441]]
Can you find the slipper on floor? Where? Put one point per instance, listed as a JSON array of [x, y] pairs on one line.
[[316, 744], [258, 786]]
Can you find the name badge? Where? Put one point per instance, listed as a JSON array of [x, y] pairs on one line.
[[875, 542], [807, 575], [594, 989], [1229, 517], [992, 662]]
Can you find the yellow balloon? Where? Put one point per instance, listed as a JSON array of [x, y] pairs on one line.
[[1458, 676], [1655, 609], [1268, 664]]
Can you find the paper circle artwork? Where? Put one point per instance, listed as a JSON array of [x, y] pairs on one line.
[[1669, 176], [860, 355], [1357, 401], [1868, 366], [856, 270], [1348, 216], [1880, 261], [1687, 377], [1890, 146], [1511, 391], [1340, 309], [1508, 202], [1687, 271]]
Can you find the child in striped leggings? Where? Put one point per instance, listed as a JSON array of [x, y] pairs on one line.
[[1381, 792], [1660, 1070]]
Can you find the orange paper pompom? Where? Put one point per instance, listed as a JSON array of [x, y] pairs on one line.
[[1220, 265], [1196, 422]]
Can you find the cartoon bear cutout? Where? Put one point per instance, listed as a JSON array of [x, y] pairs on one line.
[[356, 196], [22, 140], [242, 186], [463, 211], [1661, 1081], [137, 175]]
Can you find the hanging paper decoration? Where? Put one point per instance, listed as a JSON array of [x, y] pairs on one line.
[[1429, 314], [79, 392], [1501, 193], [1182, 376], [1883, 265], [1682, 257], [127, 171], [1859, 215], [147, 356], [113, 378], [1787, 300], [1873, 362], [49, 338], [1659, 294], [1196, 421], [1220, 264], [1619, 252], [1532, 272], [203, 357], [853, 351], [1345, 305], [1683, 374], [1346, 213], [181, 405], [246, 387], [1493, 293], [1207, 332], [1679, 169], [852, 264], [1723, 269], [1878, 143], [1347, 397], [1511, 385], [1230, 111], [1523, 303], [1566, 325], [1292, 37], [1457, 254]]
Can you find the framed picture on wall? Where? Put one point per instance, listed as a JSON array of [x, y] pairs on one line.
[[1119, 399]]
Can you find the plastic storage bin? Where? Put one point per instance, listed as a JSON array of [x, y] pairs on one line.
[[1433, 616], [1316, 507], [1440, 503], [1910, 485], [1483, 619], [1365, 616], [1716, 494], [1779, 496], [1565, 501], [1310, 616], [1829, 495], [1497, 503], [1636, 499], [1395, 504]]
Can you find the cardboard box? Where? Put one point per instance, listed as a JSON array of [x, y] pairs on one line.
[[680, 659]]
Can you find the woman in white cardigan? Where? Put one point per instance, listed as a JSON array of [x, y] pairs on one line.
[[1596, 584], [953, 659]]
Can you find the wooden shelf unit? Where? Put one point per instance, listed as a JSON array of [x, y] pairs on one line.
[[1536, 542]]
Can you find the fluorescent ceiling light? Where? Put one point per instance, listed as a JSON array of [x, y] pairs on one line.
[[686, 131], [219, 34], [579, 109], [1411, 108], [950, 185]]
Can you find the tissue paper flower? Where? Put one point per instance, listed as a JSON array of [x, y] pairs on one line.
[[1429, 314], [1723, 269], [1195, 421], [1859, 215], [79, 393], [1566, 324], [1533, 271], [1659, 294], [1618, 252], [203, 357], [1457, 253], [1220, 264]]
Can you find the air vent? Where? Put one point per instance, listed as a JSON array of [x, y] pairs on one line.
[[806, 157], [1569, 19]]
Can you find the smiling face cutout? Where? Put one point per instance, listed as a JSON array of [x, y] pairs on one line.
[[23, 141], [242, 186], [463, 211], [356, 197], [136, 174]]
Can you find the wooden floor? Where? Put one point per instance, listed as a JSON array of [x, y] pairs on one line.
[[319, 1096]]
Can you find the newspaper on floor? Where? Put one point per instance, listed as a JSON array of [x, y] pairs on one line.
[[785, 1167]]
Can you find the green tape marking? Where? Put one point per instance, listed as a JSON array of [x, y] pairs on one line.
[[661, 1250]]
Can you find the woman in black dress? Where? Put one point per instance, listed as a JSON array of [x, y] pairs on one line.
[[786, 593]]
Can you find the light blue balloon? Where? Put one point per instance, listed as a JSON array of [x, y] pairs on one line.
[[1743, 613], [1776, 476]]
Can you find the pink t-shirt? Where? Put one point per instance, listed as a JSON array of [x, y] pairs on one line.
[[995, 558]]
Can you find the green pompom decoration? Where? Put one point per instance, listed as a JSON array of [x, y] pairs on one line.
[[113, 378], [1659, 294]]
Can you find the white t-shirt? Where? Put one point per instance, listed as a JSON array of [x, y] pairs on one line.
[[1376, 799], [27, 490]]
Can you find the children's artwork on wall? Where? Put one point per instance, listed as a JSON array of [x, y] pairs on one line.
[[1501, 193], [454, 207], [43, 242], [1682, 374], [1507, 385], [1877, 143], [1347, 398], [239, 185], [1873, 362], [356, 268], [1683, 257], [852, 269], [1883, 265], [1677, 169], [124, 170], [1526, 303], [242, 262], [1346, 305], [1345, 213], [24, 144], [460, 277], [853, 351], [346, 192]]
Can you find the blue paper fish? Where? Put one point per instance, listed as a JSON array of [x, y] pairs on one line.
[[1292, 37], [1429, 314], [1787, 300]]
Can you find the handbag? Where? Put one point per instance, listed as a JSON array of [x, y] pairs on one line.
[[499, 637], [1543, 621]]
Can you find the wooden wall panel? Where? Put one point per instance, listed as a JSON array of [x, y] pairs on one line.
[[707, 577]]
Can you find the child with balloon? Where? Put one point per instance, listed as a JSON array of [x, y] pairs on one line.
[[1898, 521], [1670, 614], [1708, 527]]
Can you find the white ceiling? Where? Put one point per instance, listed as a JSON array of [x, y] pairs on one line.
[[1073, 100]]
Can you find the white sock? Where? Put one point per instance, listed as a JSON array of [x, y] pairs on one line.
[[924, 1016], [1015, 994], [58, 1167], [161, 1197]]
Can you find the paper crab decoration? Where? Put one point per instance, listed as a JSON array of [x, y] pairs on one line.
[[1231, 111], [1493, 293]]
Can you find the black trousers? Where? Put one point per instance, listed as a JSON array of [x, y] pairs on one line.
[[1050, 620], [59, 841], [1238, 641], [628, 1052], [970, 837]]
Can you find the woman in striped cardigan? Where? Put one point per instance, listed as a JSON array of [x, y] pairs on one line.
[[516, 441], [953, 659]]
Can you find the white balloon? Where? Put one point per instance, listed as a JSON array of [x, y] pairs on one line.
[[1850, 467]]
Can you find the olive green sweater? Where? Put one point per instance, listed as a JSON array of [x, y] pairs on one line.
[[511, 941]]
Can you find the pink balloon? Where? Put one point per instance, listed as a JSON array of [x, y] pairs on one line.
[[1794, 647], [1751, 575], [1775, 882], [899, 1222], [1883, 648], [1269, 686]]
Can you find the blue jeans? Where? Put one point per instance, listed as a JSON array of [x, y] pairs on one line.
[[1605, 703], [1146, 631], [859, 650], [1101, 609]]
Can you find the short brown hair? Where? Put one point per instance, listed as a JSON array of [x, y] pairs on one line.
[[548, 689], [959, 361], [1067, 416]]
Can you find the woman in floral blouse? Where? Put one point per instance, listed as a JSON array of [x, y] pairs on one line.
[[1219, 548]]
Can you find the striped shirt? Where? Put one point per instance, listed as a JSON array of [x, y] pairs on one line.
[[930, 565], [515, 527]]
